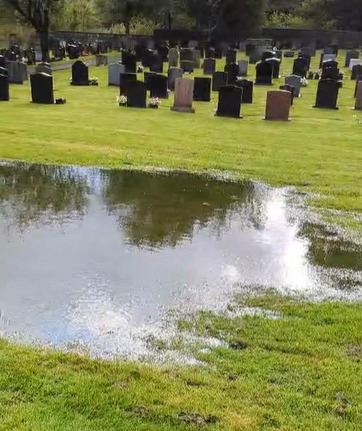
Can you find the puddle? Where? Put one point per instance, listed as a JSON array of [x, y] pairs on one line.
[[98, 258]]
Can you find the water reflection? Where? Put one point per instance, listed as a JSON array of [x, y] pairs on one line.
[[96, 258], [162, 210]]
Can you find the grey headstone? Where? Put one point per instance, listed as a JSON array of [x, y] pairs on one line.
[[114, 72], [296, 82]]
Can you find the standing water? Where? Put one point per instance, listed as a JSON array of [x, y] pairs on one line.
[[98, 258]]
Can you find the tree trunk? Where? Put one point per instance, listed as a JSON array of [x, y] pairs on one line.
[[44, 44], [127, 25]]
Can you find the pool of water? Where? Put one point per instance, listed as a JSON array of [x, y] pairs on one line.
[[98, 258]]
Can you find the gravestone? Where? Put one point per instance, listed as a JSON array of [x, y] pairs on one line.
[[173, 57], [289, 88], [231, 56], [359, 78], [130, 61], [327, 94], [187, 66], [278, 104], [289, 54], [146, 59], [186, 54], [156, 63], [264, 73], [268, 54], [255, 56], [136, 94], [356, 71], [17, 72], [308, 51], [358, 102], [158, 86], [330, 71], [2, 61], [275, 62], [4, 85], [229, 104], [80, 75], [114, 71], [296, 82], [351, 55], [209, 66], [219, 79], [124, 80], [196, 58], [43, 68], [147, 78], [326, 57], [101, 60], [300, 67], [184, 94], [173, 74], [307, 59], [248, 87], [42, 88], [354, 62], [202, 89], [243, 67], [210, 52], [232, 69], [328, 50]]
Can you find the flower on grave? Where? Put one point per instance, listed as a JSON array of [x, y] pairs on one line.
[[304, 82], [154, 101], [122, 100]]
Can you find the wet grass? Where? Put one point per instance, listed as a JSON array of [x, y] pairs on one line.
[[301, 371], [318, 151]]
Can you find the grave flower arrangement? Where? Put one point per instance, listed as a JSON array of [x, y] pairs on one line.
[[304, 82], [122, 100], [93, 81], [154, 102]]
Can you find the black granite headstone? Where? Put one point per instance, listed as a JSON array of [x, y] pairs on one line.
[[147, 56], [209, 66], [356, 71], [187, 66], [80, 74], [275, 62], [156, 63], [136, 94], [232, 69], [202, 89], [130, 61], [229, 104], [2, 61], [4, 85], [219, 79], [231, 56], [124, 80], [264, 73], [42, 88], [248, 87], [327, 94], [158, 86], [300, 67]]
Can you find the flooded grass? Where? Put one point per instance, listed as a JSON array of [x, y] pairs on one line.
[[300, 371]]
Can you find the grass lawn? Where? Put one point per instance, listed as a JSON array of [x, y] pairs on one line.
[[302, 371]]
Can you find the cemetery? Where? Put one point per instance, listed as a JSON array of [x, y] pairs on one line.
[[180, 227]]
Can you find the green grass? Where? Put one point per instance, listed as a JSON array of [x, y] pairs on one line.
[[302, 371], [299, 372]]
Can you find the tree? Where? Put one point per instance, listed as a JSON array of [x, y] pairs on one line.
[[119, 12], [37, 13]]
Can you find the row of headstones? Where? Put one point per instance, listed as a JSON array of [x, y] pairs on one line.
[[186, 91]]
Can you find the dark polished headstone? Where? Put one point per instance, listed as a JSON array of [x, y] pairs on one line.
[[158, 86], [4, 86], [136, 94], [275, 62], [219, 79], [124, 80], [289, 88], [264, 73], [129, 60], [232, 69], [42, 88], [80, 75], [229, 104], [202, 89], [327, 94], [356, 71], [248, 88]]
